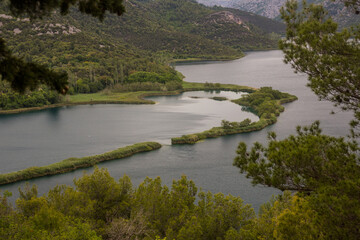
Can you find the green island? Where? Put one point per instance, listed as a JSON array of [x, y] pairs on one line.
[[72, 164], [265, 103], [219, 98]]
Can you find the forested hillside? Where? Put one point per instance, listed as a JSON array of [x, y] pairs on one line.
[[97, 55]]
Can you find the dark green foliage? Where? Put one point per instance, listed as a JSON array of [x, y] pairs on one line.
[[315, 46], [72, 164], [219, 98], [10, 99], [265, 102], [99, 206], [324, 170], [229, 125]]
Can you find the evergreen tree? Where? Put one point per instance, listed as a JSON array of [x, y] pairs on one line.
[[314, 45]]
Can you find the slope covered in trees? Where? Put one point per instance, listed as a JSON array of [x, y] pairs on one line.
[[96, 55]]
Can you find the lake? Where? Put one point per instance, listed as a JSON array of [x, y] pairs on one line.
[[47, 136]]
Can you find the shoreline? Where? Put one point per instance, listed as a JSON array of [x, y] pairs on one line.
[[71, 164], [138, 97], [265, 119]]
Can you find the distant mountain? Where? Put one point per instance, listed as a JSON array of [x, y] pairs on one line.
[[185, 27], [270, 8]]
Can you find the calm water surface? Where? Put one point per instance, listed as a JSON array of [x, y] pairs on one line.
[[44, 137]]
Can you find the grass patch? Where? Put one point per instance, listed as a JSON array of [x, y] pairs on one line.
[[127, 97], [72, 164], [133, 97], [193, 86], [207, 58]]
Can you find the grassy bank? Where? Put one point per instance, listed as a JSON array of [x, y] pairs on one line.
[[132, 97], [265, 103], [207, 58], [72, 164], [193, 86]]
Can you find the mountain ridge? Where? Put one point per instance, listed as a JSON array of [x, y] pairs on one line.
[[271, 8]]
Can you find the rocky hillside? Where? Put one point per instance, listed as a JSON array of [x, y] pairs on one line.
[[270, 8]]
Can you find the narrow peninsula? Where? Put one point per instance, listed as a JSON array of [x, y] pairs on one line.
[[264, 102], [72, 164]]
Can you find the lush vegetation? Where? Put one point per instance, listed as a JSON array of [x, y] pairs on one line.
[[9, 99], [100, 207], [324, 171], [130, 93], [219, 98], [265, 102], [72, 164]]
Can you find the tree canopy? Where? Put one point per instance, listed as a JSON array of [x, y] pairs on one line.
[[99, 207], [314, 45]]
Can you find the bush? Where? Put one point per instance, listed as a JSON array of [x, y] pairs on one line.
[[13, 100]]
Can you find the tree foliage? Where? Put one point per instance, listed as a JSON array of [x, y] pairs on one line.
[[315, 46], [301, 163], [323, 170], [101, 207]]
